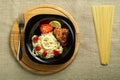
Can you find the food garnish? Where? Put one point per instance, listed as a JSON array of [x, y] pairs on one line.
[[37, 48], [56, 52], [46, 28], [55, 24], [44, 53], [35, 38]]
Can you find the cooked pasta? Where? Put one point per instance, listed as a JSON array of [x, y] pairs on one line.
[[48, 43]]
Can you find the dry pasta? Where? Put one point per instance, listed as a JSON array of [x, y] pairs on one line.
[[103, 19]]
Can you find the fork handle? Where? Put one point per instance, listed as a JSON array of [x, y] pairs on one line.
[[19, 53]]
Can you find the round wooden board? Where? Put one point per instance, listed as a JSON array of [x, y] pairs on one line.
[[28, 63]]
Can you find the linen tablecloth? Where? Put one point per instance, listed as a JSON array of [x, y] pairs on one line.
[[86, 65]]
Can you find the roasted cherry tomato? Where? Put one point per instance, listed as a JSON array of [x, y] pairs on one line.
[[35, 39], [44, 53], [56, 52], [37, 48], [46, 28]]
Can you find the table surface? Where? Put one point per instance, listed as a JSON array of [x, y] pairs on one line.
[[86, 65]]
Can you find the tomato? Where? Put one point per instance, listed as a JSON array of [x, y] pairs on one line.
[[44, 53], [56, 52], [46, 28], [35, 39], [37, 48]]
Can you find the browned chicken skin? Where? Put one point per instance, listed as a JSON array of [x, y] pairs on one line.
[[61, 34]]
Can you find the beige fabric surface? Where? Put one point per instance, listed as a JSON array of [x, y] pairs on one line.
[[86, 65]]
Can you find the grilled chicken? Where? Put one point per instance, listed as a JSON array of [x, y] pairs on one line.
[[61, 35]]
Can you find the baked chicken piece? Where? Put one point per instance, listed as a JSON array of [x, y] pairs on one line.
[[61, 35]]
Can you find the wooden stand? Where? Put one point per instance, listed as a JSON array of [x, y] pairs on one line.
[[26, 62]]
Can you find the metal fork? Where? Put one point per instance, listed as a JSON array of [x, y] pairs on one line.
[[21, 26]]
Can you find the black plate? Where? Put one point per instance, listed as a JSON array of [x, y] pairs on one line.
[[32, 28]]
